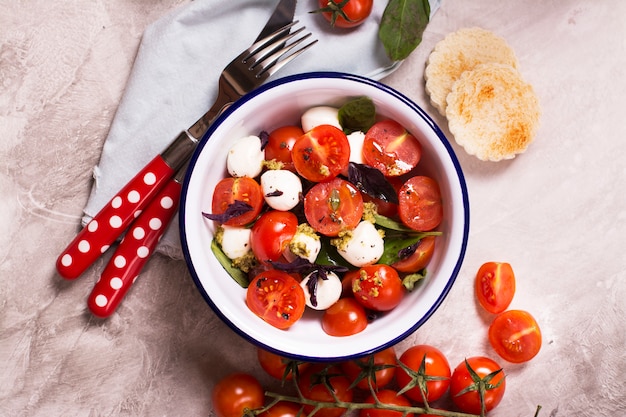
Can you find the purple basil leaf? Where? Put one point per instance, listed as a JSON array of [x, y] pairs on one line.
[[275, 193], [237, 208], [408, 251], [372, 182], [265, 139]]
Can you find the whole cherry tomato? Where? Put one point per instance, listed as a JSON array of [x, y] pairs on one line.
[[344, 318], [325, 383], [436, 366], [495, 286], [382, 364], [272, 233], [388, 397], [235, 393], [464, 387], [345, 13], [276, 365], [282, 409], [378, 287], [515, 336], [279, 144]]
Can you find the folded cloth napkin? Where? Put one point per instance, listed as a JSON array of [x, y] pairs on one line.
[[174, 80]]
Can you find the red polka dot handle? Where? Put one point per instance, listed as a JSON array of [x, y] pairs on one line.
[[113, 219], [133, 252]]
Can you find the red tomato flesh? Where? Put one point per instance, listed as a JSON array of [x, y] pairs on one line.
[[420, 205], [333, 206], [277, 298], [391, 149], [495, 286], [321, 153], [419, 259], [243, 189], [515, 336]]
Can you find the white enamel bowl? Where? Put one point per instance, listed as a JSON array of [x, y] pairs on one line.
[[282, 102]]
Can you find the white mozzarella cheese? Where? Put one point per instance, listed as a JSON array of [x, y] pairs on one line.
[[245, 157], [305, 246], [281, 189], [356, 140], [327, 292], [320, 115], [365, 246], [235, 241]]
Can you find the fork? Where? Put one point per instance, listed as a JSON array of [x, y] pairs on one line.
[[245, 73]]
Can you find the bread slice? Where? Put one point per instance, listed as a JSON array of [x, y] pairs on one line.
[[492, 112], [458, 52]]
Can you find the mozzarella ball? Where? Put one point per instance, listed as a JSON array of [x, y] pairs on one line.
[[281, 189], [304, 246], [356, 140], [327, 292], [245, 157], [364, 247], [320, 115], [235, 241]]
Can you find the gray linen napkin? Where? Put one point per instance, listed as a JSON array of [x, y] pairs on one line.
[[174, 80]]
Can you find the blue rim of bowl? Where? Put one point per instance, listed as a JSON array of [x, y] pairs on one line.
[[363, 80]]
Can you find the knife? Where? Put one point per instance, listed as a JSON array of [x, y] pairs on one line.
[[118, 214]]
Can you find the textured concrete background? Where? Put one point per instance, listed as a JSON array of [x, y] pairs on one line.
[[557, 214]]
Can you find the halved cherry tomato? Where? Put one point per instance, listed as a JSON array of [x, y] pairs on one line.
[[391, 149], [243, 189], [333, 206], [378, 287], [276, 365], [383, 365], [419, 259], [436, 366], [355, 10], [282, 409], [495, 286], [388, 397], [420, 205], [325, 383], [321, 153], [235, 393], [276, 297], [280, 143], [461, 380], [272, 233], [515, 336], [344, 318]]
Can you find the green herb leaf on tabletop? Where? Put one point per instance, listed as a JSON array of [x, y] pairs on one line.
[[402, 26]]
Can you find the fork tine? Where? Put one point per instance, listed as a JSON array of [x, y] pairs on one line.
[[273, 63], [274, 39]]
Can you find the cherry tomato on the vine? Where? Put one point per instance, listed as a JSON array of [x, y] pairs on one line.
[[321, 154], [272, 233], [325, 383], [420, 205], [243, 189], [283, 409], [495, 286], [419, 259], [436, 369], [462, 381], [383, 365], [515, 336], [355, 10], [280, 142], [235, 393], [389, 397], [276, 297], [276, 365], [391, 149], [378, 287], [333, 206], [344, 318]]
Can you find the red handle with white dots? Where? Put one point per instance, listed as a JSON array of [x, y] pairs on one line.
[[113, 219], [134, 250]]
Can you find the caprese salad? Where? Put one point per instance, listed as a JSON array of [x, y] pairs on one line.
[[332, 214]]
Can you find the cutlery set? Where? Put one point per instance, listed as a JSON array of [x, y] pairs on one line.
[[142, 210]]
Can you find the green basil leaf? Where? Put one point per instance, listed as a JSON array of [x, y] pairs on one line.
[[237, 274], [394, 246], [402, 25], [358, 114], [411, 280], [329, 256]]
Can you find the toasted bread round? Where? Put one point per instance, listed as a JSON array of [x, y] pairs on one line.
[[458, 52], [492, 112]]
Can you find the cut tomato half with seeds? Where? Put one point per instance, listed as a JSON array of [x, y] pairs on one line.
[[276, 297]]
